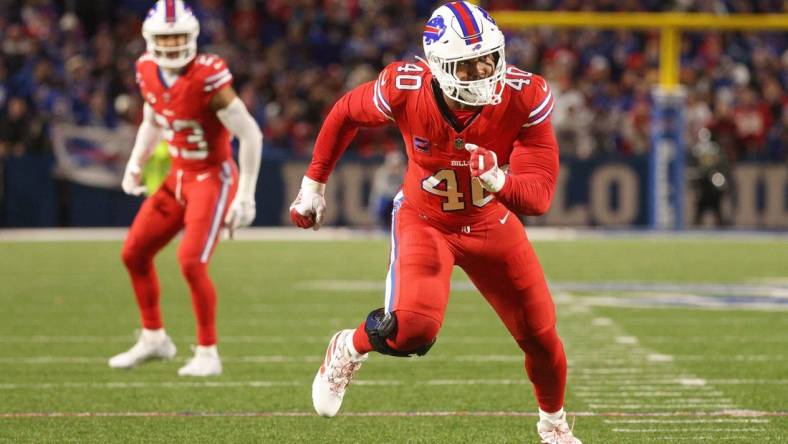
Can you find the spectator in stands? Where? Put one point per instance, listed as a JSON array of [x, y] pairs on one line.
[[21, 130]]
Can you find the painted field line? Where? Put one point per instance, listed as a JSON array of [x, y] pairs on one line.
[[696, 438], [689, 430], [688, 421], [640, 393], [639, 384], [12, 415], [714, 406], [262, 359], [55, 339], [446, 338]]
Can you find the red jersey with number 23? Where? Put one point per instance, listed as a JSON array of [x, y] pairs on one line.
[[438, 180], [196, 137]]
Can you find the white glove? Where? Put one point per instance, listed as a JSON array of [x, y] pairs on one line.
[[240, 214], [307, 209], [484, 165], [132, 178]]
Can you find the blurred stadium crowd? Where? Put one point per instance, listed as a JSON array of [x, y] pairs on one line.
[[74, 62]]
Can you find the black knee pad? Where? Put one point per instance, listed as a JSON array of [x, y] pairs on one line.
[[381, 326]]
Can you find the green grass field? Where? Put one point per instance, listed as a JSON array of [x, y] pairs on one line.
[[701, 359]]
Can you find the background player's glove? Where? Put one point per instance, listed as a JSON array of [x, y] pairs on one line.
[[484, 165], [308, 207], [241, 213], [132, 178]]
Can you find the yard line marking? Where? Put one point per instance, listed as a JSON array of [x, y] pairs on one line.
[[601, 322], [11, 415], [626, 340], [692, 381]]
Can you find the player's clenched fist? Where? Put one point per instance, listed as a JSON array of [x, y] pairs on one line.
[[484, 165], [307, 209]]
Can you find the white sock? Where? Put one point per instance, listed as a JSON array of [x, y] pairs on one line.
[[206, 350], [551, 417], [351, 348], [157, 335]]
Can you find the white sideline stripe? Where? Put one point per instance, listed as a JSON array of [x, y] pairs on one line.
[[458, 382], [633, 383], [688, 421], [377, 414], [332, 234], [45, 339], [599, 395], [697, 438], [32, 360], [661, 430], [581, 373], [261, 384]]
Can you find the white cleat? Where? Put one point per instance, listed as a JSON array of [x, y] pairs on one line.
[[334, 375], [556, 432], [205, 362], [151, 344]]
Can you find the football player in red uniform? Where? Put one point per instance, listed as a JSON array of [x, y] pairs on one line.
[[189, 101], [466, 117]]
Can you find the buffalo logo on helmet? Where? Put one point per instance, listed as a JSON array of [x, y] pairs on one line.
[[434, 30]]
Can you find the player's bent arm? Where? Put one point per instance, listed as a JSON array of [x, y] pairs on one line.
[[148, 135], [354, 110], [533, 171]]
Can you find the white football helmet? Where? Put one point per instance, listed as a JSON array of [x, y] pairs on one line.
[[460, 31], [171, 17]]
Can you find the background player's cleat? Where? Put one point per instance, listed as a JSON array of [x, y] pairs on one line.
[[151, 344], [335, 374], [205, 362], [556, 432]]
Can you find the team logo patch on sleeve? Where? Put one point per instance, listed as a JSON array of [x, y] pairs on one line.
[[421, 144], [434, 30]]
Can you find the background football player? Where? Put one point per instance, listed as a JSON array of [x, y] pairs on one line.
[[463, 114], [189, 101]]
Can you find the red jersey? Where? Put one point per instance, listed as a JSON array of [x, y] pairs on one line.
[[196, 137], [438, 181]]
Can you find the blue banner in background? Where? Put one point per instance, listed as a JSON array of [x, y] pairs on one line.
[[604, 191]]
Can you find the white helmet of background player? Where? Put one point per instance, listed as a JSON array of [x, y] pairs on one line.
[[460, 31], [171, 17]]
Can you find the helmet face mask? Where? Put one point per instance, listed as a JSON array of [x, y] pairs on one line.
[[167, 21], [461, 32]]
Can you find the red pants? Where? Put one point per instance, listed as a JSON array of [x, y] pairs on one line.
[[500, 261], [195, 201]]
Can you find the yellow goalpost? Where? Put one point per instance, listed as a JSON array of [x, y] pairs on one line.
[[666, 172], [669, 24]]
